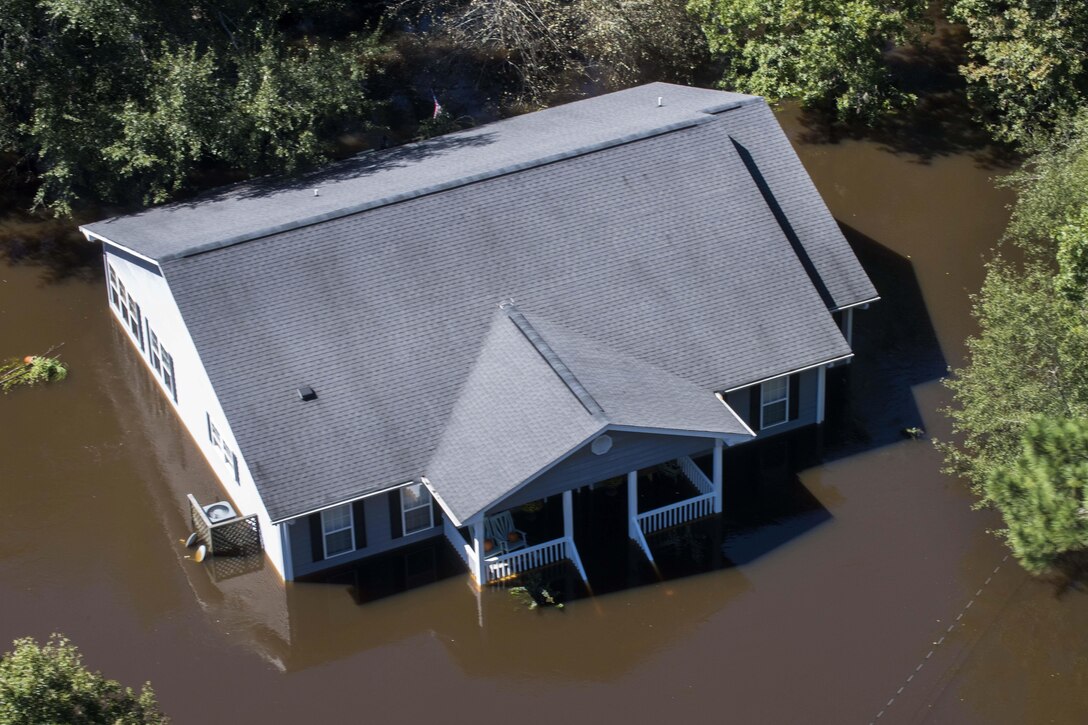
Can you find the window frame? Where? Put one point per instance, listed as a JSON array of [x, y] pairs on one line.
[[784, 400], [325, 532], [404, 509]]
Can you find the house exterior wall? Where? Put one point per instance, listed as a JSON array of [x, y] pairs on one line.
[[197, 405], [380, 536], [807, 405], [629, 452]]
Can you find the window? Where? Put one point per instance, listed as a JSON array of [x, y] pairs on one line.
[[153, 349], [163, 363], [123, 304], [115, 296], [775, 402], [337, 530], [415, 506], [135, 322], [217, 440]]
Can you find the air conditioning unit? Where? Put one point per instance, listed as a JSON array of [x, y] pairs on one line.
[[219, 511]]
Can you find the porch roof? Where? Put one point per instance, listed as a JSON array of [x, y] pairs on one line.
[[537, 393]]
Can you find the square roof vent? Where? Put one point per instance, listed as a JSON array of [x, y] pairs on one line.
[[306, 393]]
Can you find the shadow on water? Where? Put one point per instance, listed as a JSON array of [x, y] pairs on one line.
[[870, 403]]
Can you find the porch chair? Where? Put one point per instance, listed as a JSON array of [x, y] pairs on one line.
[[499, 528]]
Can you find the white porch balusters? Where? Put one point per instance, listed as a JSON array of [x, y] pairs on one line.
[[717, 475], [478, 543]]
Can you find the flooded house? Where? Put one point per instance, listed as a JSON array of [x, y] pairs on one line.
[[449, 342]]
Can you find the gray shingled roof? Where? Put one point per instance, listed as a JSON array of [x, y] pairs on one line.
[[664, 252], [538, 391]]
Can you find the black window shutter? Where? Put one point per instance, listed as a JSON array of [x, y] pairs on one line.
[[755, 402], [358, 516], [317, 537], [234, 462], [795, 395], [208, 418], [396, 526]]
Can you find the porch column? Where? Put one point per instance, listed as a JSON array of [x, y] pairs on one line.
[[632, 503], [717, 475], [821, 391], [568, 515], [478, 543]]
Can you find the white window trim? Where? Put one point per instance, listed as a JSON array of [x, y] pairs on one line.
[[404, 511], [325, 532], [764, 403]]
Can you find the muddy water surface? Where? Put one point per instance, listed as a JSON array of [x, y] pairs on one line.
[[884, 596]]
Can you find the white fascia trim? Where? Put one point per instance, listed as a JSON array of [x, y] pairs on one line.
[[445, 509], [864, 303], [341, 503], [747, 427], [478, 516], [791, 372], [91, 235]]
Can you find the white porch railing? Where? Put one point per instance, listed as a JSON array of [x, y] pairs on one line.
[[464, 549], [695, 474], [534, 557], [675, 514]]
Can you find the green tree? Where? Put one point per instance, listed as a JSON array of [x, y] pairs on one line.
[[1027, 360], [1050, 218], [1026, 62], [825, 53], [1042, 493], [49, 685], [124, 100]]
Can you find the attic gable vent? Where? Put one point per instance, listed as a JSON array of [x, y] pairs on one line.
[[306, 393]]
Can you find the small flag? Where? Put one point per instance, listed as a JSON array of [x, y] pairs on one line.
[[437, 106]]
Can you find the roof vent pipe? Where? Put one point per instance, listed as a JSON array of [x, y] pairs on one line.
[[659, 103]]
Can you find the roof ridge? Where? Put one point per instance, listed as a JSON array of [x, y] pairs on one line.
[[552, 358], [710, 114]]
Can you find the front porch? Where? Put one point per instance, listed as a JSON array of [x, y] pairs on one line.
[[513, 542]]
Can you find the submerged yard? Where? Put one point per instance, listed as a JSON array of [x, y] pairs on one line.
[[863, 587]]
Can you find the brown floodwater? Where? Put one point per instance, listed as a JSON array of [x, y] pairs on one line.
[[876, 594]]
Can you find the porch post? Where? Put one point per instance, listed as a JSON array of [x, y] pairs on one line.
[[478, 543], [568, 515], [632, 503], [821, 392], [717, 475]]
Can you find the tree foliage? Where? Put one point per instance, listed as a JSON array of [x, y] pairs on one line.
[[1042, 493], [1028, 62], [48, 684], [825, 53], [122, 100], [1026, 361], [1050, 218]]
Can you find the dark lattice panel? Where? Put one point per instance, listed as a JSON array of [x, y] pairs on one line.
[[238, 537], [228, 567]]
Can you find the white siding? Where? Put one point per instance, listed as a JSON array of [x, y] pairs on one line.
[[196, 397]]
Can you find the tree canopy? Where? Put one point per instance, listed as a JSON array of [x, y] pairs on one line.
[[122, 100], [49, 685], [825, 53], [1042, 493], [1027, 63], [1050, 218]]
